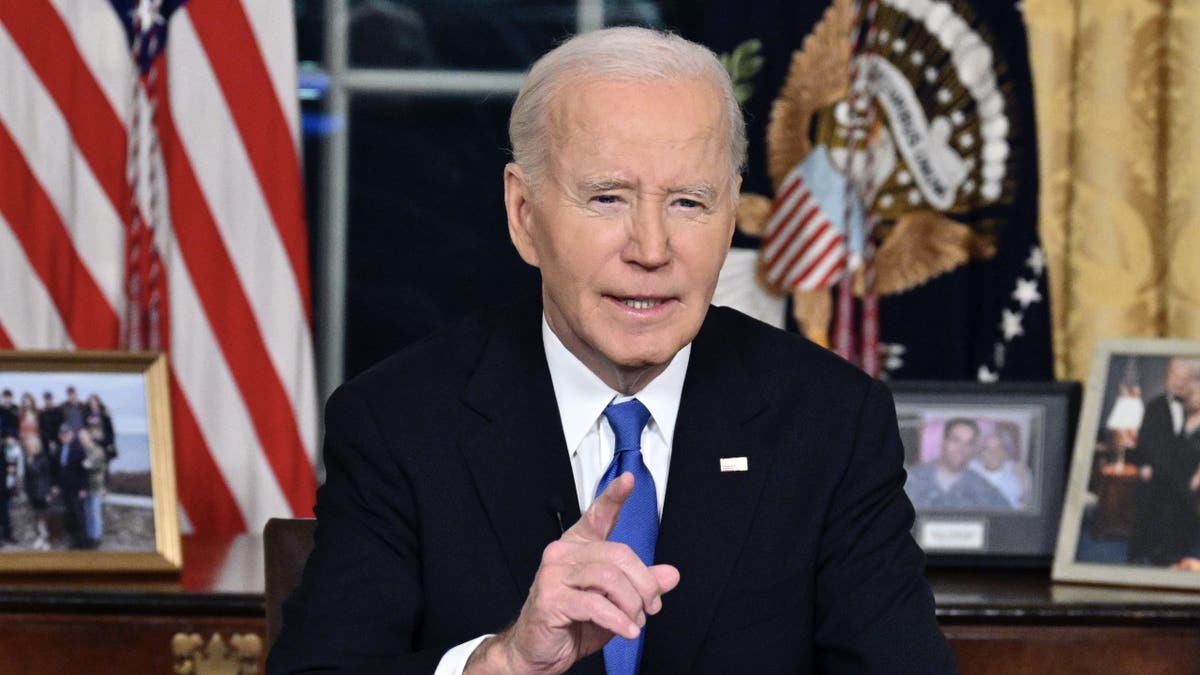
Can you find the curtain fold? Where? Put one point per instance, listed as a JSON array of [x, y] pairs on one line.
[[1050, 26], [1182, 233], [1117, 84]]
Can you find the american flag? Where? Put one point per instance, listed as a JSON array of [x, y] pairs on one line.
[[151, 198], [802, 249]]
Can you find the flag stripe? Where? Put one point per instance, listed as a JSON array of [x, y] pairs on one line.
[[40, 133], [100, 38], [204, 484], [787, 227], [39, 32], [833, 271], [209, 386], [815, 240], [90, 320], [230, 45], [28, 318], [240, 214], [825, 256], [231, 318], [790, 185], [779, 224], [274, 26], [797, 242], [5, 341]]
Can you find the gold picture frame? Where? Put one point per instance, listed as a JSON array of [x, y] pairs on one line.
[[1121, 523], [121, 446]]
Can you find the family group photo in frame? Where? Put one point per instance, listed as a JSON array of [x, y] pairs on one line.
[[1132, 513], [985, 465], [85, 454]]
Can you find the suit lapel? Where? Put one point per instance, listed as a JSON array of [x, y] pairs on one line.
[[518, 461], [707, 511], [515, 448]]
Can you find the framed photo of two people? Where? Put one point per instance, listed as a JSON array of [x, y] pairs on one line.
[[986, 466], [1132, 512], [87, 476]]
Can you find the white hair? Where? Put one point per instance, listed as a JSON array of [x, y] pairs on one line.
[[622, 52]]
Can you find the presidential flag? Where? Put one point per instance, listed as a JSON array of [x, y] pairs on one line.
[[891, 191], [151, 198]]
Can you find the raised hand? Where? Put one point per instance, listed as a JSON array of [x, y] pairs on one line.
[[586, 590]]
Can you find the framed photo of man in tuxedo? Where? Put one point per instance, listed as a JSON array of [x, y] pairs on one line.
[[1132, 510], [985, 466], [87, 476]]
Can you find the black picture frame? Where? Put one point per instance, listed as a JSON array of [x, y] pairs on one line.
[[1029, 424]]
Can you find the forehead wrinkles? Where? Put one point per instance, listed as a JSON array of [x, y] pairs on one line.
[[572, 117]]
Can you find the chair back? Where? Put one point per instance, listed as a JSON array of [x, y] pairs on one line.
[[287, 543]]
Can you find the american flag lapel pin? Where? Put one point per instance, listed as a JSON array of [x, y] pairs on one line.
[[734, 464]]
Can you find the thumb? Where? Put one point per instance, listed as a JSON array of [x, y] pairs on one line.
[[667, 577], [601, 517]]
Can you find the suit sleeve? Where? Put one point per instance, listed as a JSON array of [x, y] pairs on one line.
[[357, 607], [875, 611]]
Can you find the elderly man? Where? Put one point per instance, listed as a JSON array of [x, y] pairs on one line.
[[741, 489], [1164, 512]]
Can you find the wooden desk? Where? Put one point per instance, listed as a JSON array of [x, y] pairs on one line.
[[1018, 622], [998, 621], [67, 626]]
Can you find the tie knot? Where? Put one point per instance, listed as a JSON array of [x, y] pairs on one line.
[[627, 421]]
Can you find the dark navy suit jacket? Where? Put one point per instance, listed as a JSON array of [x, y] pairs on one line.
[[441, 462]]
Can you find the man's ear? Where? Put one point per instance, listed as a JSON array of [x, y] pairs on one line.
[[736, 196], [518, 204]]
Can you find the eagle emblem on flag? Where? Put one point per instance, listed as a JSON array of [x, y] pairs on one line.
[[890, 149]]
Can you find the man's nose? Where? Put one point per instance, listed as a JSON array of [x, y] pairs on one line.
[[649, 241]]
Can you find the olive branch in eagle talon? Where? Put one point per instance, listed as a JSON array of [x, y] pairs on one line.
[[743, 63]]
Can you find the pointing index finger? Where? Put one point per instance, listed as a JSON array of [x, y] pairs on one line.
[[601, 517]]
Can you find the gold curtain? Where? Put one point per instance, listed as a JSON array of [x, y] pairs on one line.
[[1117, 99]]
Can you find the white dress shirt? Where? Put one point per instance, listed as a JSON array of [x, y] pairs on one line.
[[1175, 405], [582, 398]]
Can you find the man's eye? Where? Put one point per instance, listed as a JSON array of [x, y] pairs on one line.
[[606, 199], [689, 203]]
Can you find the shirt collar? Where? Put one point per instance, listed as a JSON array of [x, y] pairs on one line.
[[582, 396]]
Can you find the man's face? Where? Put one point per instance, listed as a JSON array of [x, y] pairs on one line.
[[1192, 398], [1179, 374], [993, 452], [631, 220], [958, 447], [72, 396]]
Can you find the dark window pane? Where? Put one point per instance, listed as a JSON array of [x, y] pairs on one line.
[[428, 236], [463, 34], [633, 13], [310, 30], [312, 145]]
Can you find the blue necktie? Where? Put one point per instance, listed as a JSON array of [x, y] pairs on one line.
[[637, 526]]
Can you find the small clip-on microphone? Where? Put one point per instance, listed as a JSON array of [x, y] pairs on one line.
[[556, 507]]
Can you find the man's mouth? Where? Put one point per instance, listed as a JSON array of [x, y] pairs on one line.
[[642, 303]]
